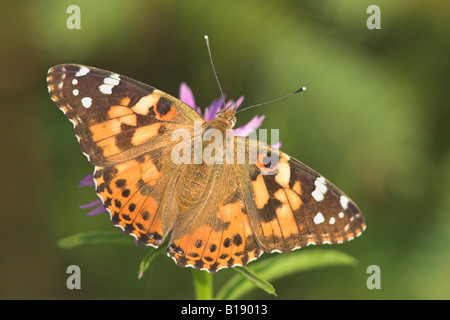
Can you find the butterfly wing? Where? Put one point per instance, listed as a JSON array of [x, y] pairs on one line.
[[124, 128], [215, 233], [115, 118], [296, 206], [253, 209]]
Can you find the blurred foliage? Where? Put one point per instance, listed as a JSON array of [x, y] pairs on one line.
[[374, 120]]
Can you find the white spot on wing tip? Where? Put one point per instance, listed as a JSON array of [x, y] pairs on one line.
[[319, 218], [344, 202], [86, 102], [321, 189], [109, 83], [317, 195], [82, 72], [105, 89], [320, 184]]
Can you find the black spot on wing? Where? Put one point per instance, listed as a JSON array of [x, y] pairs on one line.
[[120, 183], [163, 106], [199, 264]]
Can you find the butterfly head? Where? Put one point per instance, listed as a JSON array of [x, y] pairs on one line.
[[228, 115]]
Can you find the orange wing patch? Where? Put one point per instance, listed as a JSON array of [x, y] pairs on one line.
[[144, 134], [145, 103], [260, 193], [129, 192], [227, 240]]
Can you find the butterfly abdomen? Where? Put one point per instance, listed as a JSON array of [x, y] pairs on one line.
[[192, 185]]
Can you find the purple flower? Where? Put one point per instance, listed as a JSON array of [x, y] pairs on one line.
[[187, 97], [89, 181]]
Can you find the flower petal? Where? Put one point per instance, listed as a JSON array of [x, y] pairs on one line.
[[97, 210], [92, 204], [216, 105], [276, 145], [87, 181], [235, 105], [250, 127], [239, 102], [187, 96]]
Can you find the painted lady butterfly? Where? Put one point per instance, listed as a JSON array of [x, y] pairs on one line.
[[217, 215]]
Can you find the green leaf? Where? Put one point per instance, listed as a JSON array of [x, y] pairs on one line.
[[148, 259], [203, 285], [256, 279], [277, 267], [94, 237]]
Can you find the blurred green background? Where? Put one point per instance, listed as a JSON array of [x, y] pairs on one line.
[[374, 120]]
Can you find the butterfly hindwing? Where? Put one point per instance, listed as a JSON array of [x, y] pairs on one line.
[[215, 233]]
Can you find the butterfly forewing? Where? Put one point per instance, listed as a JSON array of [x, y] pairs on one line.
[[115, 118]]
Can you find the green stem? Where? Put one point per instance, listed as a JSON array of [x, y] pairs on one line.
[[203, 285]]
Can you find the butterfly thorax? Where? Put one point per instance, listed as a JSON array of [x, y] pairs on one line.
[[195, 176], [218, 128], [228, 116]]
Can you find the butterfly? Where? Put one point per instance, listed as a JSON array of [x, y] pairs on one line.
[[215, 215]]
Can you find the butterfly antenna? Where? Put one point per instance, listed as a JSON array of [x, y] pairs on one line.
[[214, 69], [270, 101]]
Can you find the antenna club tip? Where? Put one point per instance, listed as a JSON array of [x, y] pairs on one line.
[[300, 90]]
